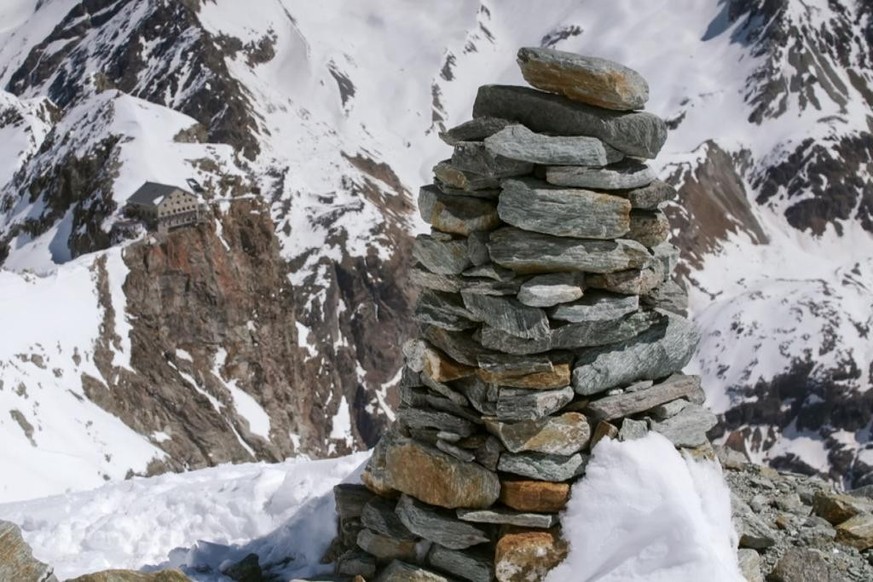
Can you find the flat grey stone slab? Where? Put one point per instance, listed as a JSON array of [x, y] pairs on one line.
[[474, 130], [445, 310], [542, 467], [517, 142], [472, 156], [571, 336], [688, 428], [523, 404], [551, 289], [443, 257], [596, 306], [629, 403], [669, 296], [649, 197], [379, 516], [474, 184], [637, 134], [633, 429], [565, 434], [590, 80], [438, 525], [533, 205], [658, 352], [509, 517], [640, 281], [530, 252], [461, 215], [507, 314], [620, 176], [421, 418], [472, 565], [398, 571]]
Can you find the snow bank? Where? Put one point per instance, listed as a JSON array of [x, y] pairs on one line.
[[644, 513], [278, 511]]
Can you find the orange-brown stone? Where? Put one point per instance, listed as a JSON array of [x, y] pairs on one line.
[[535, 496], [525, 556], [442, 368], [558, 377]]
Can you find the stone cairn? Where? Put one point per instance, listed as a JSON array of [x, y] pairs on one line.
[[549, 320]]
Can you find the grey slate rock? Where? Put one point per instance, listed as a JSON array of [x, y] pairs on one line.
[[517, 142], [398, 571], [591, 80], [668, 296], [535, 206], [507, 314], [386, 548], [350, 499], [633, 429], [488, 454], [554, 435], [596, 306], [446, 283], [490, 271], [805, 565], [668, 409], [422, 418], [443, 390], [456, 214], [508, 517], [688, 428], [445, 310], [454, 451], [649, 197], [649, 227], [474, 130], [635, 134], [472, 156], [493, 288], [477, 248], [443, 257], [458, 345], [658, 352], [379, 516], [438, 525], [518, 366], [523, 404], [629, 403], [570, 336], [542, 467], [640, 281], [356, 562], [474, 565], [551, 289], [474, 184], [623, 175], [530, 252], [750, 565], [668, 255], [482, 396]]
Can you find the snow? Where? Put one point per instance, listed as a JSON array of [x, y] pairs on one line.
[[75, 444], [643, 513], [247, 407], [199, 519], [341, 424]]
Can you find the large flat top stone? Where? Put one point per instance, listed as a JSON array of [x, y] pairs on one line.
[[590, 80]]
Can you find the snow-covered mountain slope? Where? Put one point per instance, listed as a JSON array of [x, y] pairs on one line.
[[311, 124]]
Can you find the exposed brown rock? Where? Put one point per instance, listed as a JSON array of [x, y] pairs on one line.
[[526, 556], [536, 496], [437, 478], [558, 377]]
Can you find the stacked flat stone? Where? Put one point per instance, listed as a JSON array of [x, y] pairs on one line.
[[549, 320]]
